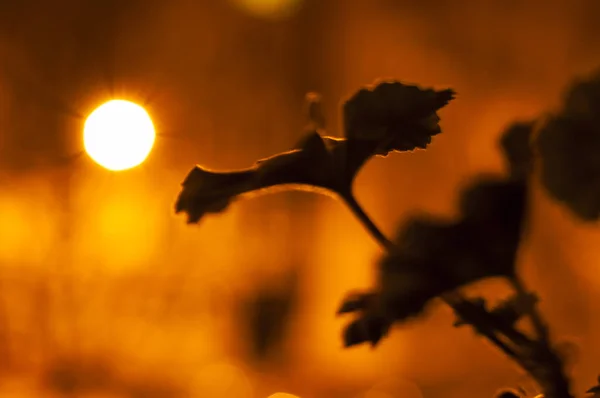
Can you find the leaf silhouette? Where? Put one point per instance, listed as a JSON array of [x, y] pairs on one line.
[[568, 144], [515, 307], [206, 191], [433, 256], [367, 328], [396, 116], [370, 325], [508, 311], [357, 301], [389, 117], [495, 209], [517, 149], [595, 390], [478, 303]]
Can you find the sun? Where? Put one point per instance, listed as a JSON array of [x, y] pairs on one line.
[[118, 135]]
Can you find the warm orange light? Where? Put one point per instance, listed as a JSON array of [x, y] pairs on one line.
[[270, 8], [118, 135], [223, 380]]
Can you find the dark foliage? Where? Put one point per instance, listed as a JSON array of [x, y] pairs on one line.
[[595, 389], [508, 311], [390, 116], [518, 150], [395, 116], [432, 257], [568, 144]]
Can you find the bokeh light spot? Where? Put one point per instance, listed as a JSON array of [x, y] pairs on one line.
[[271, 9], [223, 380], [119, 135], [377, 394]]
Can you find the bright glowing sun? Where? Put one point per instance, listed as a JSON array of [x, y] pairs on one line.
[[118, 135]]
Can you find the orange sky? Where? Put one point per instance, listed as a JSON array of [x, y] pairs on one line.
[[124, 277]]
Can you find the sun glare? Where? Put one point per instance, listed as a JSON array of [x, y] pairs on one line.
[[118, 135]]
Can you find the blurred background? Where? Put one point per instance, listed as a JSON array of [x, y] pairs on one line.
[[104, 292]]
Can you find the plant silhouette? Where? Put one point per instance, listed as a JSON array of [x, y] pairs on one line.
[[432, 257], [567, 142]]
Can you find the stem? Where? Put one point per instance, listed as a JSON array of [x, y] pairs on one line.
[[539, 326], [552, 379], [494, 339], [366, 221], [555, 384], [491, 336], [481, 325], [449, 299]]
